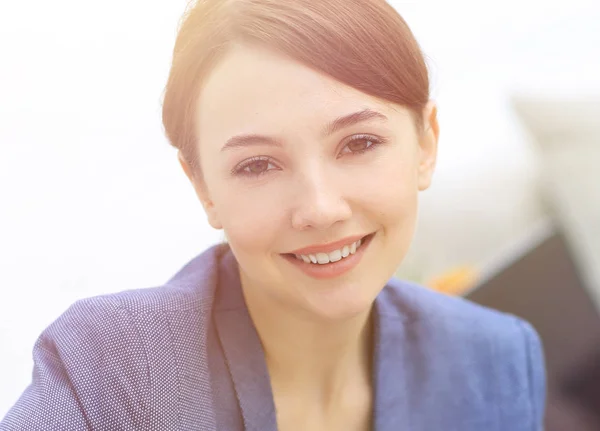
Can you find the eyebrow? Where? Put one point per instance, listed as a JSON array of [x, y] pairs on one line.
[[249, 140], [335, 126], [352, 119]]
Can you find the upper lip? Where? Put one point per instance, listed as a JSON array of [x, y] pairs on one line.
[[327, 248]]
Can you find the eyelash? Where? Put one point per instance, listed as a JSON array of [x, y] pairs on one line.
[[374, 140], [240, 169]]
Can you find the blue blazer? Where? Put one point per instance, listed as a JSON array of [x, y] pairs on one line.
[[186, 356]]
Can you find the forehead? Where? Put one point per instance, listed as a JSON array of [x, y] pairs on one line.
[[253, 90]]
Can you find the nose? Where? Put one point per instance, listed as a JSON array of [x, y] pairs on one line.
[[319, 203]]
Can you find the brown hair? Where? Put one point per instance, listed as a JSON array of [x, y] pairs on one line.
[[362, 43]]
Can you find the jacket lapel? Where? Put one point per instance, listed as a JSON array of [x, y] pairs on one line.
[[391, 411], [243, 351]]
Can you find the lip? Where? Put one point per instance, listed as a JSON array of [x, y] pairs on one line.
[[328, 248], [332, 269]]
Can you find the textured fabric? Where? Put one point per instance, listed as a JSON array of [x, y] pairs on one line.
[[186, 356]]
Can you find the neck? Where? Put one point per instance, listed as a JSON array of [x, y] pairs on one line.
[[320, 358]]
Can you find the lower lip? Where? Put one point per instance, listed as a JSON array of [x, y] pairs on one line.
[[332, 269]]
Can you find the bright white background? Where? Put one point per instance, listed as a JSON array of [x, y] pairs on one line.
[[92, 199]]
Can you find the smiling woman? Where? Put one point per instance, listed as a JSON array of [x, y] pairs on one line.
[[307, 132]]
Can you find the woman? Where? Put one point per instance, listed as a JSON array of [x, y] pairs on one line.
[[306, 129]]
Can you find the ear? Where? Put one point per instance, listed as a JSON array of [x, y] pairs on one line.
[[428, 146], [201, 191]]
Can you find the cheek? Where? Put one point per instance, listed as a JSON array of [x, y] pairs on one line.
[[390, 189], [391, 198], [395, 211], [252, 222]]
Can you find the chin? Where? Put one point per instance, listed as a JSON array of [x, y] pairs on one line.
[[341, 302]]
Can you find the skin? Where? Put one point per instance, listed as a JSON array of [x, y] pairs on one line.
[[311, 188]]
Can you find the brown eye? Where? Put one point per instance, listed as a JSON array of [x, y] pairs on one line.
[[257, 167], [360, 144]]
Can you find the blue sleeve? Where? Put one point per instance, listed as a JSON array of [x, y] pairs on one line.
[[536, 370], [74, 368], [50, 401]]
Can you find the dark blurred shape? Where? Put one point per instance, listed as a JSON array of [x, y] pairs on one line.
[[543, 286]]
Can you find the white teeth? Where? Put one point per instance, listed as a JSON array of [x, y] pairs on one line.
[[345, 251], [322, 258], [334, 256]]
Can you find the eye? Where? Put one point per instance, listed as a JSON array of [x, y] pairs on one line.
[[255, 167], [359, 144]]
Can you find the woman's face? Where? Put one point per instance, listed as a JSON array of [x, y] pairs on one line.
[[296, 168]]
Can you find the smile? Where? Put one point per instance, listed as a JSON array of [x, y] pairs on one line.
[[334, 260], [333, 256]]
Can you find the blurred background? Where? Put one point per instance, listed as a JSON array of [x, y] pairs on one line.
[[92, 199]]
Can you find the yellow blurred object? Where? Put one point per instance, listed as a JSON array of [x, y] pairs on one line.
[[454, 282]]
